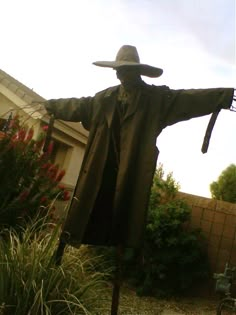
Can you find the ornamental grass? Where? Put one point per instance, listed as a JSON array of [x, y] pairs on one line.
[[30, 282]]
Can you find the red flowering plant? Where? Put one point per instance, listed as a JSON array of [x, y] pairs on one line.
[[29, 181]]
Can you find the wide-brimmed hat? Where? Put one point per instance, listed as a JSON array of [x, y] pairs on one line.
[[128, 56]]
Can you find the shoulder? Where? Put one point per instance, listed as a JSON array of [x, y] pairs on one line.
[[107, 92], [159, 88], [154, 88], [156, 91]]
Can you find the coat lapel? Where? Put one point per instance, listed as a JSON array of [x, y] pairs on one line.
[[133, 106], [110, 99], [110, 103], [137, 100]]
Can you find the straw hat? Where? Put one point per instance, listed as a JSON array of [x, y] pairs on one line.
[[128, 56]]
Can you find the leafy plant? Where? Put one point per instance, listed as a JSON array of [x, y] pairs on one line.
[[30, 283], [173, 258], [224, 187], [28, 179]]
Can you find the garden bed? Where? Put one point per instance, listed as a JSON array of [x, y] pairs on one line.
[[131, 304]]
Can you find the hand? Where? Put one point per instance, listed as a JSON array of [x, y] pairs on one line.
[[50, 107]]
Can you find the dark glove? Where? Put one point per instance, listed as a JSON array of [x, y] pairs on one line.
[[50, 107]]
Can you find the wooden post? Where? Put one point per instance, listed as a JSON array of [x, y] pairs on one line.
[[117, 281], [49, 133], [59, 253]]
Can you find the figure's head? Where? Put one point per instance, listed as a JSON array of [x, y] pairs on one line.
[[128, 58], [129, 76]]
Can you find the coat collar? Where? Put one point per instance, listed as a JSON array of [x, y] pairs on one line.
[[110, 102]]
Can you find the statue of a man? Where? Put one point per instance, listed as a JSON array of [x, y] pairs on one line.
[[111, 197]]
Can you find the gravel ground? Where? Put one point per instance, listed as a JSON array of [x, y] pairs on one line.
[[131, 304]]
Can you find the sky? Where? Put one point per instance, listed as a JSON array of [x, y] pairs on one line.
[[49, 45]]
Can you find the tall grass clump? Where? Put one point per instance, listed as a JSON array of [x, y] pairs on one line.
[[30, 282]]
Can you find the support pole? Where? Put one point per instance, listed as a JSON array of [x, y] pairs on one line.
[[117, 281], [49, 133], [59, 253]]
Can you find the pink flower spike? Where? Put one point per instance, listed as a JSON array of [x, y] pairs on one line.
[[52, 172], [24, 195], [66, 195], [46, 165], [30, 134], [50, 148], [44, 199], [60, 175], [62, 187]]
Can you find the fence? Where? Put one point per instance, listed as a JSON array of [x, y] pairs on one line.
[[217, 220]]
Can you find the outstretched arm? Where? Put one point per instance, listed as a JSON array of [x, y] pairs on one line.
[[187, 104], [72, 109]]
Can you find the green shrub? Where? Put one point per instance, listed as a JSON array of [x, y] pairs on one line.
[[28, 179], [30, 283], [173, 259], [224, 187]]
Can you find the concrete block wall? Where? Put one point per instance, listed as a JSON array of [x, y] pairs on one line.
[[217, 220]]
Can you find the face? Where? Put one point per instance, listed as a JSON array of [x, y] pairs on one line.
[[128, 76]]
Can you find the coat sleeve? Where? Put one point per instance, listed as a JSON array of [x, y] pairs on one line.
[[186, 104], [72, 109]]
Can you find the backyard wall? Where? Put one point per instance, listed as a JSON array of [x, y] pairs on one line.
[[217, 220]]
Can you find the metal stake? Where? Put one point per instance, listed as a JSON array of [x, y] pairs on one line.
[[117, 281]]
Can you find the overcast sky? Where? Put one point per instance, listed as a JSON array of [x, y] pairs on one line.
[[49, 45]]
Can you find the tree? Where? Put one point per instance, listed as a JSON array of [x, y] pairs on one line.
[[225, 186]]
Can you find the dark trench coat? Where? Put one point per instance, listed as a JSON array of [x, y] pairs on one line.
[[111, 197]]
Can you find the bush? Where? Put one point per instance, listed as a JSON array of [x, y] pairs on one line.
[[28, 180], [30, 283], [173, 259], [224, 187]]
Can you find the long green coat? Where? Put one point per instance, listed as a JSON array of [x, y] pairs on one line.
[[111, 198]]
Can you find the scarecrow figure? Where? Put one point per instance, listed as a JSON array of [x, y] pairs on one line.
[[111, 197]]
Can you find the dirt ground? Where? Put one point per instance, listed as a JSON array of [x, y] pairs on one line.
[[131, 304]]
